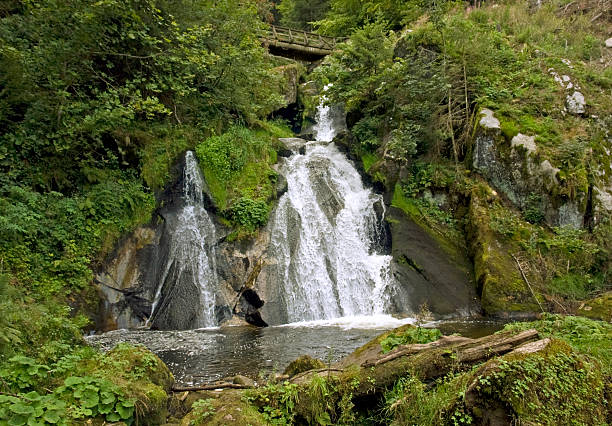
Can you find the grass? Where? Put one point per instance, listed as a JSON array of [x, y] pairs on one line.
[[590, 337]]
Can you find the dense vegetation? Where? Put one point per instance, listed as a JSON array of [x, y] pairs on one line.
[[413, 79], [97, 101], [570, 376]]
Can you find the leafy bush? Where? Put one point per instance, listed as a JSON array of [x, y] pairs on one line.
[[226, 154], [276, 401], [81, 383], [49, 240], [249, 213], [236, 166]]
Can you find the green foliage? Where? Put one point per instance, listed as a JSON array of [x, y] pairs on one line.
[[411, 402], [202, 409], [32, 408], [99, 68], [237, 168], [567, 263], [393, 97], [48, 240], [410, 336], [557, 388], [301, 13], [276, 401], [347, 15], [30, 327], [78, 397], [414, 197], [249, 213], [582, 334], [81, 383], [533, 211]]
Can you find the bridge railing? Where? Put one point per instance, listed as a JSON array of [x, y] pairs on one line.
[[292, 36]]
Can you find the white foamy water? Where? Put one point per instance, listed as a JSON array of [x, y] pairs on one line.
[[360, 322], [323, 233]]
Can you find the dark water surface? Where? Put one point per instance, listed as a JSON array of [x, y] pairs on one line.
[[206, 355]]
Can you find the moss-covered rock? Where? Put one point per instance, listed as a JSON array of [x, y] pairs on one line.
[[228, 407], [503, 291], [549, 385], [141, 375], [302, 364], [599, 308]]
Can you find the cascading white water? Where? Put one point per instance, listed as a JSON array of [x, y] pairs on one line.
[[322, 233], [325, 129], [191, 260]]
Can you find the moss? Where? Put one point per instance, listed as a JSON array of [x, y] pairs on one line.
[[141, 375], [226, 407], [585, 336], [550, 386], [369, 159], [302, 364], [373, 347], [599, 308], [500, 284], [449, 239]]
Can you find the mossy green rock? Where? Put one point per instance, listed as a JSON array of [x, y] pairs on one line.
[[227, 407], [503, 291], [302, 364], [551, 385], [142, 376], [599, 308]]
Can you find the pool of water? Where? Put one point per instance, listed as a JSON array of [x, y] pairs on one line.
[[206, 355]]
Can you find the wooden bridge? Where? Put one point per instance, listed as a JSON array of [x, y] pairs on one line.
[[298, 44]]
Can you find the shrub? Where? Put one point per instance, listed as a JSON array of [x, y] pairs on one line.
[[249, 213]]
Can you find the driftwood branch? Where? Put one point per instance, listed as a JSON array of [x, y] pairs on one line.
[[526, 280]]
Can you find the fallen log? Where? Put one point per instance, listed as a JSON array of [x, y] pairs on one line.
[[404, 350], [427, 362]]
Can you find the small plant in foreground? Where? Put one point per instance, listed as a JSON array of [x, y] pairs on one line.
[[202, 410]]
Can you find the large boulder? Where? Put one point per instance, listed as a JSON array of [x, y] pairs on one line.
[[515, 169]]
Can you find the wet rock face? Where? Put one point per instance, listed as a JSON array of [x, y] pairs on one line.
[[430, 274], [513, 170]]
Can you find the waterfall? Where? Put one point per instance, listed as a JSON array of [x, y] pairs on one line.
[[185, 295], [329, 119], [323, 233]]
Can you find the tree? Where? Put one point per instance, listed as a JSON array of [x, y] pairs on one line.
[[301, 13]]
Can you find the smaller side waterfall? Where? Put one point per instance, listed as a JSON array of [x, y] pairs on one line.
[[185, 295]]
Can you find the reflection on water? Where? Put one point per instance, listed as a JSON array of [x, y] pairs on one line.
[[203, 356]]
